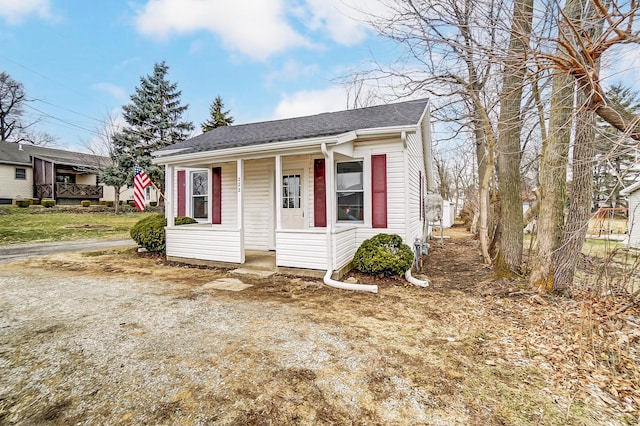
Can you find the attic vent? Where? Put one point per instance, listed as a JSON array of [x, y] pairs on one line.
[[20, 146]]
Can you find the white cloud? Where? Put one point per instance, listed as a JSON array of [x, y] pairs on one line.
[[256, 28], [116, 91], [290, 71], [260, 28], [15, 11], [344, 22], [309, 102]]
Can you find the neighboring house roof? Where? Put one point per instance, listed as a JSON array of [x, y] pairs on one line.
[[628, 190], [326, 124], [21, 154]]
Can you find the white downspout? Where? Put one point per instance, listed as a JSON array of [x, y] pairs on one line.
[[415, 281], [168, 192], [328, 167]]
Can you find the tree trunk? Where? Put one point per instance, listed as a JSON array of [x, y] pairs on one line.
[[553, 164], [116, 198], [509, 256], [553, 173], [485, 166], [575, 229]]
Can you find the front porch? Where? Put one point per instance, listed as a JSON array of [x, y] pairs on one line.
[[298, 252]]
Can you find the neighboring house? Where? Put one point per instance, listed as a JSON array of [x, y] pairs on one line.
[[28, 171], [633, 196], [311, 188]]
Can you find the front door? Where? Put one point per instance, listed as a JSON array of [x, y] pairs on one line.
[[292, 199]]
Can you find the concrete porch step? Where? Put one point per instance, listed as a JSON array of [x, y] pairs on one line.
[[252, 272]]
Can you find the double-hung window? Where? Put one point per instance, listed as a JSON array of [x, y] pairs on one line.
[[21, 174], [199, 194], [350, 191]]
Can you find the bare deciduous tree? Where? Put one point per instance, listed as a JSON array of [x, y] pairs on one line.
[[13, 127]]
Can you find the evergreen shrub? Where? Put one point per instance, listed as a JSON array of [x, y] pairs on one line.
[[384, 254], [48, 202], [85, 203], [150, 234], [23, 203]]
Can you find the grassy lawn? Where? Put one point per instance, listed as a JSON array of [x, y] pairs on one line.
[[19, 225]]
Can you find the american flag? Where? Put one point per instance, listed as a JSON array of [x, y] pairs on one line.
[[140, 182]]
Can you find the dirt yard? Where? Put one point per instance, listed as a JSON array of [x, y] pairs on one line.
[[111, 338]]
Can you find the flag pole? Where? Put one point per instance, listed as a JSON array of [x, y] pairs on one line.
[[158, 190]]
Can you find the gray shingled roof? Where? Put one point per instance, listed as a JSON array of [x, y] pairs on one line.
[[326, 124], [10, 153]]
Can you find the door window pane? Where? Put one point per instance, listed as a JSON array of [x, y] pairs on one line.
[[291, 191]]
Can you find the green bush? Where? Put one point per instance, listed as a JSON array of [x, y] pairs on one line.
[[383, 254], [149, 232], [48, 202], [85, 203], [23, 203]]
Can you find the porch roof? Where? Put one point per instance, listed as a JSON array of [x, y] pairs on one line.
[[326, 124]]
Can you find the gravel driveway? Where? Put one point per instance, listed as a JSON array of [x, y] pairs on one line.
[[93, 351]]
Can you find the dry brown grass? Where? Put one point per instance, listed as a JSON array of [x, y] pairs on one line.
[[467, 350]]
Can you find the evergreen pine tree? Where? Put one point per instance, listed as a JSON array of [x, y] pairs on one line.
[[218, 117], [154, 120], [617, 156]]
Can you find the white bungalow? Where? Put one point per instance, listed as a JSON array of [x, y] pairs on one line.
[[312, 188], [633, 195]]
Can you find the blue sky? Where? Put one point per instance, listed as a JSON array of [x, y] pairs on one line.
[[82, 59], [267, 58]]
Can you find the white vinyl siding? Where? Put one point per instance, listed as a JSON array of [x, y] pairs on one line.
[[302, 248], [396, 213], [344, 243], [229, 195], [258, 205], [204, 242], [415, 169], [13, 188]]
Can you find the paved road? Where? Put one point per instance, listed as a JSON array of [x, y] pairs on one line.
[[14, 252]]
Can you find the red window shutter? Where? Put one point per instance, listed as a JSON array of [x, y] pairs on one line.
[[319, 194], [216, 192], [421, 214], [182, 192], [379, 191]]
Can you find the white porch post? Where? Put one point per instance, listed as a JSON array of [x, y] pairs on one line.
[[240, 184], [330, 197], [278, 184], [168, 194]]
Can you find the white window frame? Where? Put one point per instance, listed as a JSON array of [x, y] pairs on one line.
[[206, 196], [361, 190]]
